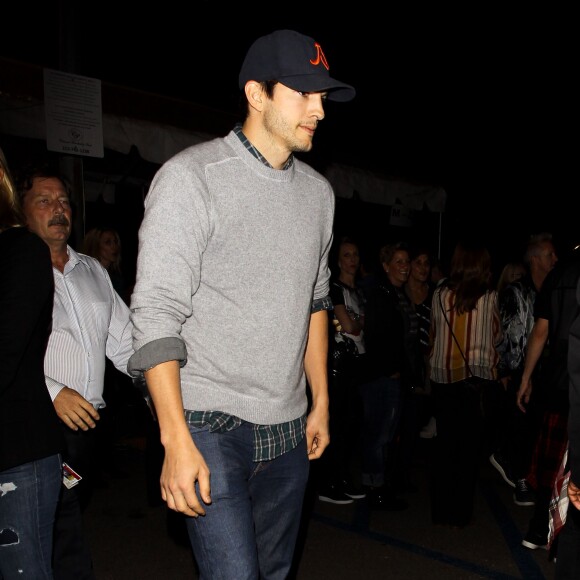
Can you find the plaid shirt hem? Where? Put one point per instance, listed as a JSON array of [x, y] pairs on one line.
[[270, 441]]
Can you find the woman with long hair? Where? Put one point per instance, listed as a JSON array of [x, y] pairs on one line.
[[339, 484], [465, 333], [30, 435]]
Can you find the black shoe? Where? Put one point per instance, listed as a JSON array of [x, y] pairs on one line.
[[333, 494], [381, 499], [503, 467], [535, 541], [353, 491], [524, 495]]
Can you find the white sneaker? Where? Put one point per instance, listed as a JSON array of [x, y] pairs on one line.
[[430, 430]]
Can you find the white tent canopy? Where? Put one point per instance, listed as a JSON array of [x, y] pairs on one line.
[[157, 142], [374, 188]]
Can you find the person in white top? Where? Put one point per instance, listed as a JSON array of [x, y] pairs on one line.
[[90, 323]]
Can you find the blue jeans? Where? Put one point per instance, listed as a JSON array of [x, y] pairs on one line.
[[28, 499], [381, 412], [250, 528], [71, 554]]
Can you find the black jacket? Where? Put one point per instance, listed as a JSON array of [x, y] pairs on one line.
[[557, 303], [384, 332], [29, 426]]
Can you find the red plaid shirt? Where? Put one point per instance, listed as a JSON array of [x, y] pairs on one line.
[[559, 502]]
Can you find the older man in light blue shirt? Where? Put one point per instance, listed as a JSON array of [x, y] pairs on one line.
[[90, 323]]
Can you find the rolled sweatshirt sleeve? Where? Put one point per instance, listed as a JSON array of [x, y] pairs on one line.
[[172, 237]]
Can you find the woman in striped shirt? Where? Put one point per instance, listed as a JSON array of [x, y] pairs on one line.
[[465, 333]]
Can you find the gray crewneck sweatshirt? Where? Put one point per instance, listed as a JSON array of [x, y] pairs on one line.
[[231, 255]]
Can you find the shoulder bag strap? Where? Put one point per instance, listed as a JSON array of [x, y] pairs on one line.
[[453, 334]]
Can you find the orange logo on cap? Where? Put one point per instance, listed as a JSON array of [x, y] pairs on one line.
[[320, 58]]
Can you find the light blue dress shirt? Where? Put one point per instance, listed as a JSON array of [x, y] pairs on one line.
[[90, 323]]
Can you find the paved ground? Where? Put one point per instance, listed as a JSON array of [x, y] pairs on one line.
[[132, 539]]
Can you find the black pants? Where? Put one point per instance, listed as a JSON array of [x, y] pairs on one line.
[[71, 553], [415, 411], [457, 451], [338, 462], [519, 430]]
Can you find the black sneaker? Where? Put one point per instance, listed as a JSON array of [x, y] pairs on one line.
[[535, 541], [333, 494], [524, 495], [503, 467], [353, 491]]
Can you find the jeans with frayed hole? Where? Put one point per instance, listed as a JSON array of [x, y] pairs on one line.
[[28, 499]]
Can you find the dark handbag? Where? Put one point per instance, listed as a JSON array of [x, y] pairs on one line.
[[342, 354]]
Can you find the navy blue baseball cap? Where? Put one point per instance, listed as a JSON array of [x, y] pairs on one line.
[[296, 61]]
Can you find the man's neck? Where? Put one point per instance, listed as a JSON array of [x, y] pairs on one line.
[[257, 136], [538, 279], [59, 256]]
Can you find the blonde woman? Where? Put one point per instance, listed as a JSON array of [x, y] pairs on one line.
[[30, 436], [387, 328], [511, 272]]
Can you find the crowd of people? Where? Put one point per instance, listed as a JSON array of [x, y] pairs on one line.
[[495, 355], [255, 365]]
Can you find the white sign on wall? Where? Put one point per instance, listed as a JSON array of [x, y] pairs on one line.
[[400, 216], [74, 116]]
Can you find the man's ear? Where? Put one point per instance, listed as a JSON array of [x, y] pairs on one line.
[[254, 94]]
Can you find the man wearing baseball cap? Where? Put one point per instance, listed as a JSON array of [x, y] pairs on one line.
[[230, 313]]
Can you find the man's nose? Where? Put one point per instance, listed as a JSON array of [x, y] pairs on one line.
[[318, 106]]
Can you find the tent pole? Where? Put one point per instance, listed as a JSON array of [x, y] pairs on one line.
[[439, 247]]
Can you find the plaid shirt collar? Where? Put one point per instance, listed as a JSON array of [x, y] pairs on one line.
[[238, 131]]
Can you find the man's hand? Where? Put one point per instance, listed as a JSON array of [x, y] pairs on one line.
[[183, 465], [317, 433], [75, 411], [574, 494], [524, 392]]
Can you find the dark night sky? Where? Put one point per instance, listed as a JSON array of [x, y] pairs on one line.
[[471, 99]]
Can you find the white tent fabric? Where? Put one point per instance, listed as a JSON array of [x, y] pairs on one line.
[[370, 187], [156, 143]]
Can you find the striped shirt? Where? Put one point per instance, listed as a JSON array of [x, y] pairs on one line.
[[90, 322], [478, 333], [270, 441]]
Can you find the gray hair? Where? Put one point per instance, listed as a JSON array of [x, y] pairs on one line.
[[534, 246]]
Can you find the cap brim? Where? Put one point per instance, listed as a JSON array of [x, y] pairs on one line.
[[337, 91]]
